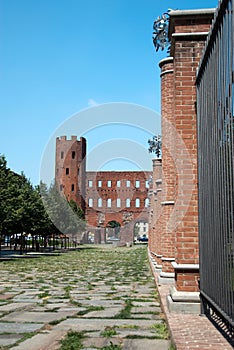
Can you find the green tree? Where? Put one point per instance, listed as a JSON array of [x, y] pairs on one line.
[[66, 216], [21, 207]]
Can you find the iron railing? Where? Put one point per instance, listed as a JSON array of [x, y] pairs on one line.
[[215, 107]]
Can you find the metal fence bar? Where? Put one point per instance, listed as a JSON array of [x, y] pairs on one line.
[[215, 98]]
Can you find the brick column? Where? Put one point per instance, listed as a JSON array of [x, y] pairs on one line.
[[103, 235], [168, 170], [155, 238], [188, 31]]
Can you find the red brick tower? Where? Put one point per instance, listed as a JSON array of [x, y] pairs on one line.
[[70, 172]]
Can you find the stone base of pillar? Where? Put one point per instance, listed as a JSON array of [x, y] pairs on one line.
[[183, 302], [157, 260], [166, 278], [158, 268]]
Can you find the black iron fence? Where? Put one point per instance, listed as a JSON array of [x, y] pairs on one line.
[[215, 106]]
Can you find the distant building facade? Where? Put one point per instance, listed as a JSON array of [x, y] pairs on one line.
[[110, 199]]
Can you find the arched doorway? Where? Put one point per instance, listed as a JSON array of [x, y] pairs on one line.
[[113, 231], [140, 231]]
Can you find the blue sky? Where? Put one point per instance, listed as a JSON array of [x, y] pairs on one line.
[[61, 57]]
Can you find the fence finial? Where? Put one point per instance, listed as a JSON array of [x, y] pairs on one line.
[[160, 33]]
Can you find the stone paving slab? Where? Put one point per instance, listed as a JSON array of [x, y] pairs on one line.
[[18, 328], [57, 300], [14, 306], [49, 306], [6, 296], [99, 342], [108, 312], [127, 344], [8, 339], [101, 302], [27, 300], [45, 317], [146, 303], [146, 344], [86, 324], [142, 316], [43, 341], [145, 310], [30, 291]]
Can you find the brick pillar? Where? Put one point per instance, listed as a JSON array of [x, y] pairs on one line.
[[103, 235], [168, 170], [97, 236], [155, 209], [126, 233], [188, 31]]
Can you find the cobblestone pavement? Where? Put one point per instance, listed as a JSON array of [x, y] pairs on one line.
[[105, 293]]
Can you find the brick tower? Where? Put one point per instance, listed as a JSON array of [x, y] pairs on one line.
[[70, 172]]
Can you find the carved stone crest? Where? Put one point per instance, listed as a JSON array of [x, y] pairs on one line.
[[127, 217], [101, 218]]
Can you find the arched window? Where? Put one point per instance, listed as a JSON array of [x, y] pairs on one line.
[[137, 183], [128, 203], [109, 203], [137, 203], [118, 203], [90, 202], [99, 202], [90, 183], [146, 202]]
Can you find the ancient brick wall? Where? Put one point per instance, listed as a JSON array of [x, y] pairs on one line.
[[105, 196], [120, 196]]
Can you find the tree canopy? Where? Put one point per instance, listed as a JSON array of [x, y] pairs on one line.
[[37, 210]]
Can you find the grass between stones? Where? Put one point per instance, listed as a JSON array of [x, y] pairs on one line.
[[89, 309], [161, 330], [109, 332], [72, 341], [126, 311]]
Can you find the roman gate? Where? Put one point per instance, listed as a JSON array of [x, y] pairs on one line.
[[114, 202]]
